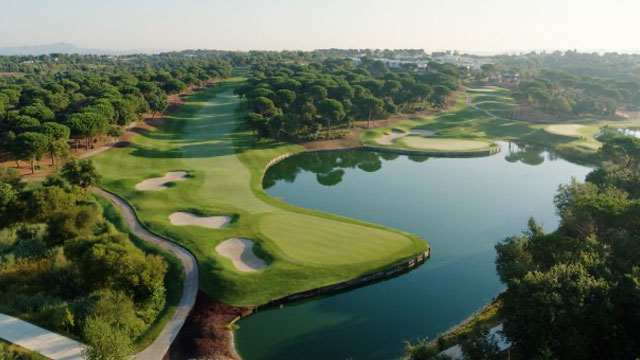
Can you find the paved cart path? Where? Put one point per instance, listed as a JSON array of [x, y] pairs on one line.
[[37, 339], [161, 344], [58, 347]]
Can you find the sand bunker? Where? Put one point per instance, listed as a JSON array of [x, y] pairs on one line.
[[387, 139], [565, 129], [443, 144], [212, 222], [160, 183], [240, 252], [422, 132]]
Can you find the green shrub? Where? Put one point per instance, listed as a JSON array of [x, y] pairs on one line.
[[118, 310], [105, 342]]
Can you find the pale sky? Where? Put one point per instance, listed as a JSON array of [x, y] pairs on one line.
[[467, 25]]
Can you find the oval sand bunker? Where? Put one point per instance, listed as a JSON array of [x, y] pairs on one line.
[[240, 252], [181, 218], [388, 139], [160, 183]]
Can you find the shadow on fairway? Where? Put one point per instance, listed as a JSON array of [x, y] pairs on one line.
[[205, 150]]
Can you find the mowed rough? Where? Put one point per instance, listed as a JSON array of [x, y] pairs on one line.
[[305, 249]]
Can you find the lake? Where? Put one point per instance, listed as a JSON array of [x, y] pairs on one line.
[[461, 206]]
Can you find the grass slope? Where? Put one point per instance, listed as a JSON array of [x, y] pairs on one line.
[[304, 248], [464, 122]]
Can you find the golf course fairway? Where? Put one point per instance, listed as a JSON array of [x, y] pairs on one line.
[[481, 115], [303, 249]]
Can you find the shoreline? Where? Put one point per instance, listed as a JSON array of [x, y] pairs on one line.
[[332, 289], [351, 142]]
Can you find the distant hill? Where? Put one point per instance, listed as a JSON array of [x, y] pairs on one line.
[[61, 47]]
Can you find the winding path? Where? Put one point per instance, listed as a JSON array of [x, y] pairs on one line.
[[161, 344], [59, 347]]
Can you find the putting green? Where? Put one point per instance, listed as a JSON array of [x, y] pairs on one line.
[[304, 248], [566, 129], [444, 144], [463, 122], [305, 238]]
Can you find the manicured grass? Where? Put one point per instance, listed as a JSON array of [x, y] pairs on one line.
[[496, 100], [304, 248], [444, 144], [465, 122], [297, 239], [565, 129]]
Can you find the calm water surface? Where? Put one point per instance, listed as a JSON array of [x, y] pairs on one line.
[[462, 207]]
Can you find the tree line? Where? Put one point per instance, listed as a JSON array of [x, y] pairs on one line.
[[562, 93], [59, 98], [573, 83], [306, 101], [573, 293], [610, 65]]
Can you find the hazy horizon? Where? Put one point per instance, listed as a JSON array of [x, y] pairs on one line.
[[489, 27]]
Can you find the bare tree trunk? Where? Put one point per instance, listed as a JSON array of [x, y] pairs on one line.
[[33, 167], [53, 159], [17, 164], [369, 121]]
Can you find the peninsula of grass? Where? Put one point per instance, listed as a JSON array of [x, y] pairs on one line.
[[482, 116], [304, 249]]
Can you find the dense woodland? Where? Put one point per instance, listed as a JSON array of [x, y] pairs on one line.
[[305, 101], [573, 83], [575, 293], [47, 100], [609, 65], [565, 94], [64, 266]]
